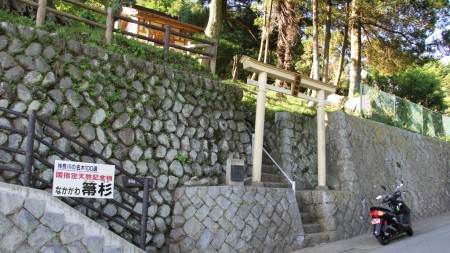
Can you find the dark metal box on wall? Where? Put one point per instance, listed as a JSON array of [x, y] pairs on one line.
[[130, 182], [235, 172]]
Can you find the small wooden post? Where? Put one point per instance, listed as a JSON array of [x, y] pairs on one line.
[[109, 25], [213, 60], [166, 42], [40, 15]]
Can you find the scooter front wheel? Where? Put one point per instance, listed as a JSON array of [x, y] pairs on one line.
[[383, 240]]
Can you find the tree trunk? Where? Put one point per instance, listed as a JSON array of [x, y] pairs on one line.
[[355, 49], [344, 46], [288, 33], [326, 50], [264, 31], [316, 68], [264, 35], [215, 21], [269, 30], [214, 27]]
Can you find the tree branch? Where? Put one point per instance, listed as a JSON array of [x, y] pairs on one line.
[[368, 22]]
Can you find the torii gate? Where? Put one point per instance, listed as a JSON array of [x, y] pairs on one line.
[[323, 89]]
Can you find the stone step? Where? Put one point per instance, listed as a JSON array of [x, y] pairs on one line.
[[298, 196], [271, 169], [306, 217], [267, 177], [314, 239], [311, 228], [276, 185]]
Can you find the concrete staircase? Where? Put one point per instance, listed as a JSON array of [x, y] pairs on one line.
[[272, 177], [311, 227]]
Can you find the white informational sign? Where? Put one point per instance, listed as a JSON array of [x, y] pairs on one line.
[[83, 180]]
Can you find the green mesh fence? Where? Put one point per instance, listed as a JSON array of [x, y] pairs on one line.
[[446, 123], [392, 110]]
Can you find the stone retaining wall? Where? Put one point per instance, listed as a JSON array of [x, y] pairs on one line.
[[33, 221], [150, 119], [362, 156], [235, 219]]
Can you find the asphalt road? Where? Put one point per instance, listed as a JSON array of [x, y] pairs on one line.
[[434, 241], [431, 235]]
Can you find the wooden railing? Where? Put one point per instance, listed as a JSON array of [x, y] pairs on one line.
[[209, 47]]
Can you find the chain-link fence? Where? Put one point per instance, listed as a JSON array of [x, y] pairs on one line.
[[392, 110]]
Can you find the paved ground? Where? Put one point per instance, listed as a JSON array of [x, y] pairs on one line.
[[367, 242]]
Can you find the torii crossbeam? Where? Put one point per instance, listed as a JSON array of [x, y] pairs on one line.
[[323, 89]]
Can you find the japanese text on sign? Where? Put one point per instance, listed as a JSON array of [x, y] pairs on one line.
[[84, 180]]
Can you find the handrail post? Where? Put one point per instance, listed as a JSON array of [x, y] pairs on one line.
[[109, 25], [40, 15], [29, 148], [166, 42], [213, 60], [143, 235]]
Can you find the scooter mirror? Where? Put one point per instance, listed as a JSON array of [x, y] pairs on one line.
[[379, 197]]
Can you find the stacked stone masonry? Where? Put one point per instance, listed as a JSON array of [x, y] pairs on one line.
[[235, 219], [150, 119], [180, 128], [33, 221], [291, 139], [362, 156]]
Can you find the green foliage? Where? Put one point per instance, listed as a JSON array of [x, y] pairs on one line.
[[182, 158], [417, 84], [225, 55], [15, 18], [121, 44], [274, 103]]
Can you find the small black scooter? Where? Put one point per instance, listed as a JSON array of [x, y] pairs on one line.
[[391, 220]]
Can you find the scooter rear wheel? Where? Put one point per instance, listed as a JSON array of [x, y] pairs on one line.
[[410, 232], [383, 240]]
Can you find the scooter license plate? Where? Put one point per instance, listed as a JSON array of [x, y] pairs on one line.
[[376, 221]]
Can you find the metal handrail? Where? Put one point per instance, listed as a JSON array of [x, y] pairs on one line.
[[279, 167], [292, 182]]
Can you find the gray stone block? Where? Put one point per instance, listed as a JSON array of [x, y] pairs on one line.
[[5, 225], [25, 221], [10, 203], [71, 233], [77, 247], [93, 244], [12, 240], [40, 237], [54, 221]]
